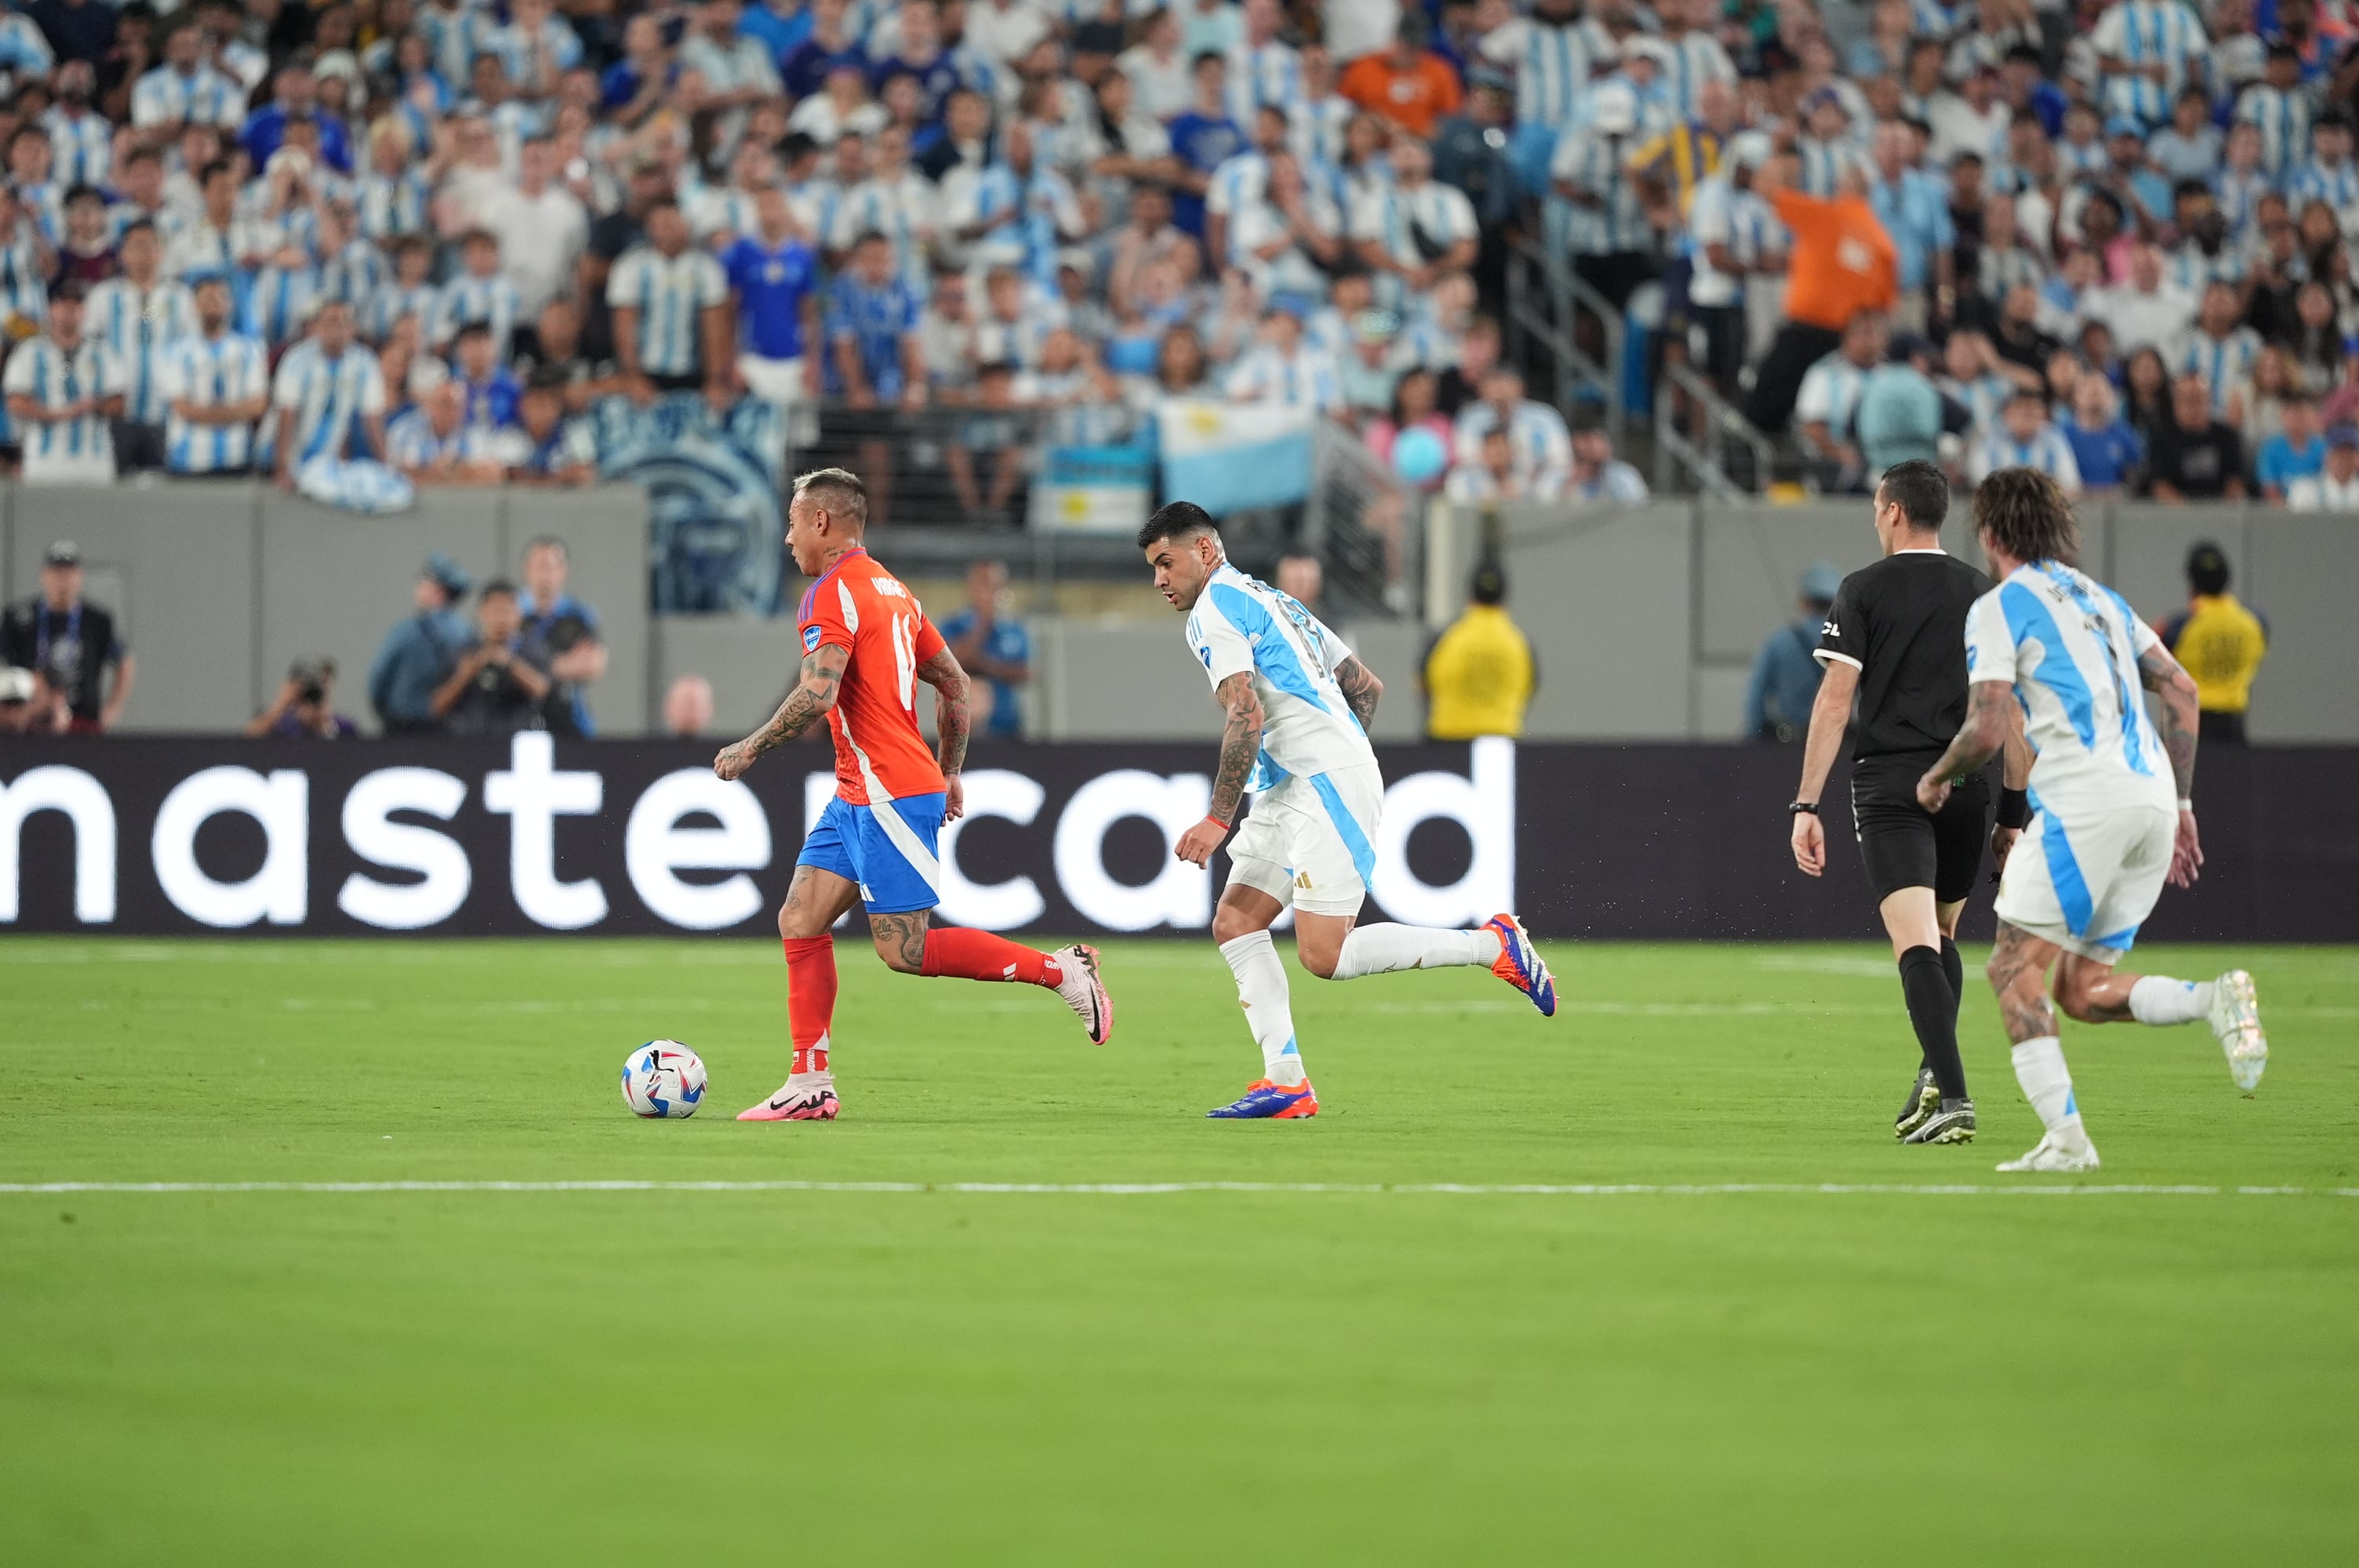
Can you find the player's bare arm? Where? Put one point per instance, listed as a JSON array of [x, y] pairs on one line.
[[2015, 773], [1361, 689], [1240, 745], [1990, 717], [1830, 715], [2181, 718], [953, 722], [808, 704]]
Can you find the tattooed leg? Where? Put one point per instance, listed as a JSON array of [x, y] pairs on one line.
[[901, 940], [2018, 973]]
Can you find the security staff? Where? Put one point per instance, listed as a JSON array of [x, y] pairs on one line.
[[419, 653], [69, 644], [2222, 644], [1896, 637], [1479, 674]]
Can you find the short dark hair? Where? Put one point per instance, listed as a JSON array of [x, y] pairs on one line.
[[839, 490], [472, 330], [1919, 488], [497, 586], [1175, 520], [2028, 514], [2207, 568], [1490, 584]]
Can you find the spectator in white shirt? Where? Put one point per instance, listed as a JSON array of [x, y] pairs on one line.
[[1597, 474], [1490, 475], [1541, 445], [2026, 438], [1280, 370], [2147, 311], [541, 229], [2336, 487], [62, 391], [1159, 67], [1973, 119]]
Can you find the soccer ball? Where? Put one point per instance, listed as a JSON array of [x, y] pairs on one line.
[[663, 1077]]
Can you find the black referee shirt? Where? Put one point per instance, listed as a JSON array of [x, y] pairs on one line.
[[1902, 625]]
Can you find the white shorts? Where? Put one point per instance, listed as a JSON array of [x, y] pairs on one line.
[[2087, 882], [774, 380], [1310, 840]]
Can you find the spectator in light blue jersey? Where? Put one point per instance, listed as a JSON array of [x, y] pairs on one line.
[[63, 392], [216, 383], [1786, 672], [330, 390], [673, 331], [139, 316], [2106, 449], [993, 647], [480, 293], [492, 392]]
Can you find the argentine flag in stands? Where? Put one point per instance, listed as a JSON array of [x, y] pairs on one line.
[[1229, 456]]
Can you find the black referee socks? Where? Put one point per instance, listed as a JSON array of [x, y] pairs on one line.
[[1955, 967], [1933, 1010]]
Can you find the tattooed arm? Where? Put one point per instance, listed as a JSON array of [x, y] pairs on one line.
[[2181, 716], [1240, 745], [808, 704], [952, 723], [1361, 689], [1991, 718]]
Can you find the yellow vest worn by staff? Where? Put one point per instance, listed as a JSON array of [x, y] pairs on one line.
[[2222, 644], [1479, 677]]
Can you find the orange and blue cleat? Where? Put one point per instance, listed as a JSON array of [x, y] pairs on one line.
[[1519, 963], [1278, 1102]]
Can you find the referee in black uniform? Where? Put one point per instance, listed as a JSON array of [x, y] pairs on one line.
[[1896, 636]]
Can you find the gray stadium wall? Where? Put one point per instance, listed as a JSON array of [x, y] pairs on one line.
[[535, 837], [1645, 620]]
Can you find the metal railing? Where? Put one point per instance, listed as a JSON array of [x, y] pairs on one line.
[[1362, 523], [1700, 444], [1544, 297]]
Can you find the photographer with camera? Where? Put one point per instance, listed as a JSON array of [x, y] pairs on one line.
[[561, 636], [305, 706], [497, 689]]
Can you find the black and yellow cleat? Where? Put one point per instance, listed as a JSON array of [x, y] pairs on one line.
[[1924, 1099], [1952, 1121]]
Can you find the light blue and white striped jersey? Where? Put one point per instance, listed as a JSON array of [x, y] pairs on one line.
[[1236, 185], [1019, 341], [353, 273], [1931, 19], [1982, 397], [902, 209], [467, 299], [23, 285], [719, 214], [670, 292], [56, 378], [203, 97], [2239, 195], [1241, 624], [2224, 363], [1552, 65], [1830, 395], [137, 325], [1315, 131], [2337, 185], [329, 397], [1389, 213], [1823, 164], [1537, 436], [412, 442], [122, 213], [23, 50], [393, 205], [81, 149], [2048, 451], [2284, 120], [1270, 73], [282, 300], [210, 373], [2074, 160], [2188, 268], [2071, 647], [1303, 379], [2144, 32], [391, 302], [455, 36], [522, 61], [1696, 59], [45, 204], [1720, 214]]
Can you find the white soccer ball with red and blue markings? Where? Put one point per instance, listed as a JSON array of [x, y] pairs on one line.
[[662, 1078]]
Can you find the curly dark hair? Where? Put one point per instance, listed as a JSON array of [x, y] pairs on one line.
[[2027, 513]]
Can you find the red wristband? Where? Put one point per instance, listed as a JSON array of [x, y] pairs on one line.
[[1216, 822]]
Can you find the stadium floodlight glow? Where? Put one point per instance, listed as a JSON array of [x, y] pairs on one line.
[[444, 872], [992, 906], [533, 795], [1180, 896], [84, 803], [655, 846], [280, 891]]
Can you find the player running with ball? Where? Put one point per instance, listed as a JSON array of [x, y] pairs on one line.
[[2108, 826], [1298, 705], [866, 644]]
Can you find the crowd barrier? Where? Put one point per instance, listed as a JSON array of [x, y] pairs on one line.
[[533, 837]]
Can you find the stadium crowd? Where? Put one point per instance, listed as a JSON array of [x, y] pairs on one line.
[[2108, 239]]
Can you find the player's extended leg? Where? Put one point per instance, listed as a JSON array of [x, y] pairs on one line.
[[2094, 994], [1241, 926], [816, 900], [911, 942], [1938, 1110], [2018, 973], [1336, 948]]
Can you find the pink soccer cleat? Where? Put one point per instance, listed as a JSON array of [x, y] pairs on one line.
[[806, 1097], [1084, 992]]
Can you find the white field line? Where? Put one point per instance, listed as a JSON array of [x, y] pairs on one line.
[[1158, 1189]]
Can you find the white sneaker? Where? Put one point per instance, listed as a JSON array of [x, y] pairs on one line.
[[1084, 992], [2236, 1024], [2057, 1155]]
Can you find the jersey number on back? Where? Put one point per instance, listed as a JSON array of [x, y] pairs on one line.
[[905, 659]]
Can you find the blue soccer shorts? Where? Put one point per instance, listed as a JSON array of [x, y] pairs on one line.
[[889, 850]]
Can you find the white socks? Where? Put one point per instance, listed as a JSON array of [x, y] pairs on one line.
[[1381, 949], [2048, 1085], [2157, 999], [1261, 991]]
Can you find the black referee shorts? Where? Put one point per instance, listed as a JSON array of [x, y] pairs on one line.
[[1904, 845]]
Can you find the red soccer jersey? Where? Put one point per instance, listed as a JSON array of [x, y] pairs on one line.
[[863, 609]]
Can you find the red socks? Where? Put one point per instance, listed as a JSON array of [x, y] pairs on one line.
[[811, 999], [968, 954]]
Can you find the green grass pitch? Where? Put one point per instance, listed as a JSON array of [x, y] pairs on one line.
[[1192, 1377]]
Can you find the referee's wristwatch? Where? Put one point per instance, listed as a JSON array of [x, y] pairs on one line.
[[1803, 807]]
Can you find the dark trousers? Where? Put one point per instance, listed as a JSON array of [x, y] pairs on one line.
[[2217, 727], [138, 448], [1777, 380]]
